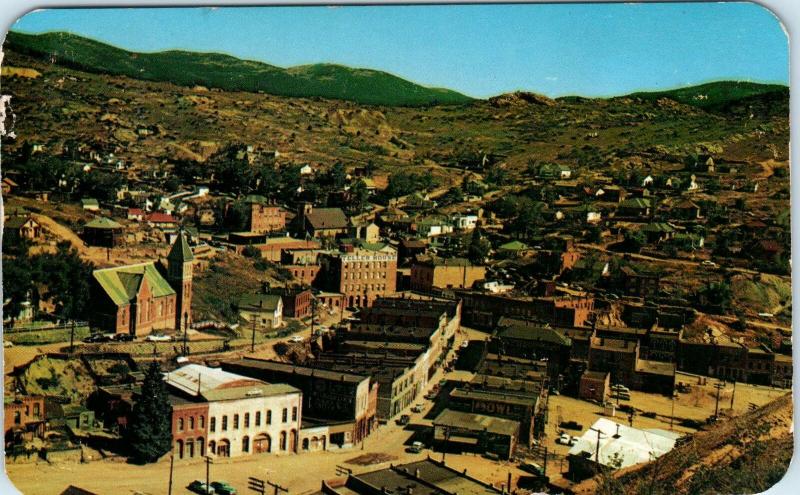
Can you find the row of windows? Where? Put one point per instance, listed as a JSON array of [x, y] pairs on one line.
[[365, 287], [367, 275], [257, 419], [368, 265], [191, 423]]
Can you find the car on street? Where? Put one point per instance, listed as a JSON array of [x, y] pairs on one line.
[[122, 337], [531, 467], [156, 337], [709, 263], [296, 339], [565, 439], [403, 420], [222, 488], [418, 408], [200, 488], [96, 337], [416, 447]]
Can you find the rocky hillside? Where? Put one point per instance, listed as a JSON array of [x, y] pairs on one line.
[[747, 454]]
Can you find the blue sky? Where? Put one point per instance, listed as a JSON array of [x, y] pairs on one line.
[[480, 50]]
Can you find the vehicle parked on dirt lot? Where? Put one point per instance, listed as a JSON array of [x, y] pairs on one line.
[[200, 487], [154, 337], [418, 408], [223, 488], [416, 447], [565, 439], [403, 420]]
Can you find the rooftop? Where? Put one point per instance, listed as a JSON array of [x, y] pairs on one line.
[[617, 441], [213, 384], [262, 364], [425, 477], [122, 283], [476, 422]]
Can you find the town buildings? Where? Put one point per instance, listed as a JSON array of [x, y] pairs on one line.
[[229, 415], [344, 404]]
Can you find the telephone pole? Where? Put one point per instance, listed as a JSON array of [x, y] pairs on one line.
[[719, 386], [253, 342], [278, 488], [171, 464], [208, 478], [72, 337], [733, 394]]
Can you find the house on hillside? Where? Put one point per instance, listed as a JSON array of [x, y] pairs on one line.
[[22, 227], [262, 311], [321, 222], [103, 232], [90, 204]]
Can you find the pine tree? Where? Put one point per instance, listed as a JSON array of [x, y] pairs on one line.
[[149, 432]]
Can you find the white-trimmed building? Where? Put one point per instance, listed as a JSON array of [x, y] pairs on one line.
[[244, 416]]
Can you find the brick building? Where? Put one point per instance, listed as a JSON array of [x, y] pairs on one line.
[[328, 396], [484, 309], [360, 274], [138, 299], [444, 273], [264, 217], [296, 300]]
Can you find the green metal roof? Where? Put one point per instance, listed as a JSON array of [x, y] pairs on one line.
[[103, 223], [514, 246], [122, 283], [635, 203], [180, 252], [90, 202], [267, 302], [658, 227]]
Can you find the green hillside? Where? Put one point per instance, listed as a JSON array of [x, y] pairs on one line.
[[719, 95], [230, 73]]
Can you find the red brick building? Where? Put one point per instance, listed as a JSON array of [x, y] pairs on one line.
[[265, 217], [24, 414], [296, 300], [361, 274], [137, 299], [189, 430]]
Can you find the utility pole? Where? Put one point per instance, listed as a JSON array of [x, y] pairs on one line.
[[171, 464], [278, 488], [719, 386], [446, 442], [672, 414], [733, 394], [72, 337], [544, 468], [313, 313], [253, 342], [208, 468], [597, 448]]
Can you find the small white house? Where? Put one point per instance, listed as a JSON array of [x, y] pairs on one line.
[[465, 221], [647, 181], [593, 216], [306, 170]]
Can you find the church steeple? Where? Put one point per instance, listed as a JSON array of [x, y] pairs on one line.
[[179, 275]]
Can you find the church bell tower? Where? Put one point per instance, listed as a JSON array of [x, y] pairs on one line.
[[179, 276]]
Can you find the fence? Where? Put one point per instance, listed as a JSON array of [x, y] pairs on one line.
[[48, 328]]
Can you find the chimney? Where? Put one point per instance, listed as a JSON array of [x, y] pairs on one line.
[[416, 475]]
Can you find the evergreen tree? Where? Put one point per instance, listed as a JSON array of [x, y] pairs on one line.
[[478, 248], [149, 433]]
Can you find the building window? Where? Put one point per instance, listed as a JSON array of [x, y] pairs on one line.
[[258, 418], [36, 410], [294, 413], [285, 415], [246, 444], [191, 422], [213, 426], [269, 417], [235, 421], [247, 420], [17, 418], [225, 423], [180, 424], [202, 422]]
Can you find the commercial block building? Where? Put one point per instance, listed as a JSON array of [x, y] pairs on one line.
[[360, 274], [444, 273]]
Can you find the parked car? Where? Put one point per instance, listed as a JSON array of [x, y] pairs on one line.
[[97, 337], [418, 408], [565, 439], [709, 263], [156, 337], [403, 420], [296, 339], [531, 467], [223, 488], [200, 487], [122, 337], [416, 447]]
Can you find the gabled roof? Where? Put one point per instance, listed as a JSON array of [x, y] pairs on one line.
[[513, 246], [103, 223], [327, 218], [159, 217], [121, 283], [635, 203], [658, 227], [90, 202], [267, 302], [18, 222], [180, 252]]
